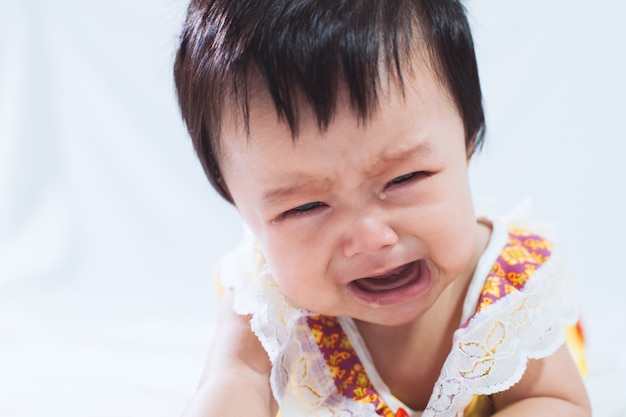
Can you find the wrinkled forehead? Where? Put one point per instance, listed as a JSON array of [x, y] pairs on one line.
[[419, 92]]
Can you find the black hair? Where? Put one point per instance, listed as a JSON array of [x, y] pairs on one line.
[[303, 50]]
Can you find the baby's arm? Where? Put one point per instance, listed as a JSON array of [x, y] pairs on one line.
[[235, 381], [550, 387]]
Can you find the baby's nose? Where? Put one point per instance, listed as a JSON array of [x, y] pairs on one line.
[[368, 235]]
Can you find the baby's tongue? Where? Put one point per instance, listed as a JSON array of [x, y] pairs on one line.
[[397, 278]]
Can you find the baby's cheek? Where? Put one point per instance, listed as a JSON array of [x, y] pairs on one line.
[[454, 245], [287, 275], [304, 287]]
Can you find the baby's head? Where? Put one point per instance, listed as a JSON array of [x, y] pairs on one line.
[[303, 52], [341, 130]]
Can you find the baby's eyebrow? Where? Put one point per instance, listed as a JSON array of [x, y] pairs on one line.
[[300, 184], [420, 150]]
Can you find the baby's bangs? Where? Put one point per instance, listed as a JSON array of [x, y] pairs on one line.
[[306, 51]]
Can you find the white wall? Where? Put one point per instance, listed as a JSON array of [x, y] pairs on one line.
[[108, 228]]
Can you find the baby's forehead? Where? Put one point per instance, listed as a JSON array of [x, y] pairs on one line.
[[259, 105], [411, 132], [400, 108]]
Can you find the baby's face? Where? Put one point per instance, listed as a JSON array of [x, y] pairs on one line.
[[368, 221]]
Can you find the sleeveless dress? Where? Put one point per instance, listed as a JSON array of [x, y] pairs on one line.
[[518, 307]]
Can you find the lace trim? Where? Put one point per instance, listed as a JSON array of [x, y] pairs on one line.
[[490, 354]]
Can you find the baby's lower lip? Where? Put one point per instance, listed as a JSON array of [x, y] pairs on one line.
[[407, 281]]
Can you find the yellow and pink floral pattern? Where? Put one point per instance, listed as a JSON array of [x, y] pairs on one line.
[[521, 256]]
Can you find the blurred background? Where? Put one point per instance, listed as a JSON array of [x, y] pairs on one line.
[[109, 230]]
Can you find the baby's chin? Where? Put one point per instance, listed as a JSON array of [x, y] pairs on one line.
[[392, 317]]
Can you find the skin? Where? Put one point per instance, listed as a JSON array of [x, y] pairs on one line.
[[355, 201]]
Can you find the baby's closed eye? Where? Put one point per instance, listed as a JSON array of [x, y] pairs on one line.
[[407, 178], [301, 210]]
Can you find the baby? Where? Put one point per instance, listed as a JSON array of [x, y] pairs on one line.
[[342, 132]]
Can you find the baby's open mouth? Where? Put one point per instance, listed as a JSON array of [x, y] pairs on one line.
[[407, 282], [396, 279]]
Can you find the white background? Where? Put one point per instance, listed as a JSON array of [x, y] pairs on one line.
[[109, 230]]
